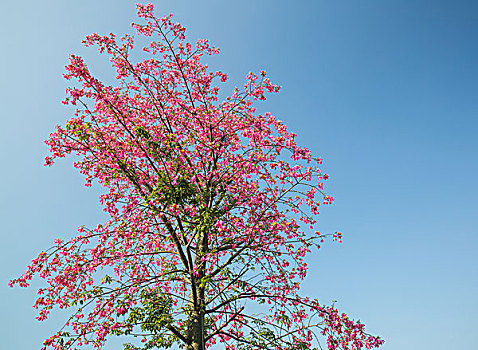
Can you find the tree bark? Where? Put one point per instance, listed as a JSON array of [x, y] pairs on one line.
[[195, 334], [195, 331]]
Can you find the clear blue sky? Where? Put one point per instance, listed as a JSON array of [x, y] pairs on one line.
[[385, 91]]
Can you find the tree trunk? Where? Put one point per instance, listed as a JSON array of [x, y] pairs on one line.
[[195, 332], [195, 335]]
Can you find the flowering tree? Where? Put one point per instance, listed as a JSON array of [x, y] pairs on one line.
[[211, 208]]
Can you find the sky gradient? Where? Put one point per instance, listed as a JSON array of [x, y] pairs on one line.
[[386, 92]]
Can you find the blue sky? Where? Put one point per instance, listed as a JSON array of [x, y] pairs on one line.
[[385, 91]]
